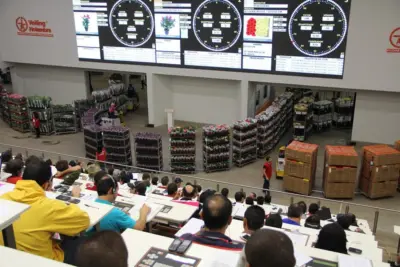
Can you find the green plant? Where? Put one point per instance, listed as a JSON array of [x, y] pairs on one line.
[[167, 22], [86, 21]]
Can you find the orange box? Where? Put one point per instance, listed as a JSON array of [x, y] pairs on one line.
[[381, 173], [378, 190], [335, 174], [397, 145], [299, 169], [301, 152], [381, 155], [341, 156], [296, 185], [339, 190]]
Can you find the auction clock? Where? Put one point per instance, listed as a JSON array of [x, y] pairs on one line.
[[217, 24], [317, 27], [131, 22]]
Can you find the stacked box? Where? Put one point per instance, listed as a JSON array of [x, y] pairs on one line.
[[397, 145], [380, 171], [300, 167], [340, 171], [116, 141]]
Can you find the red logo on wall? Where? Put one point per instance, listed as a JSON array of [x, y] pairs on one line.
[[394, 40], [32, 27]]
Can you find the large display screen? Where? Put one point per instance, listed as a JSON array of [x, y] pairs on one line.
[[291, 37]]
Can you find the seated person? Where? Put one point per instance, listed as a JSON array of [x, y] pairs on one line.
[[313, 222], [66, 172], [225, 192], [253, 220], [332, 238], [154, 183], [141, 188], [239, 197], [294, 215], [164, 182], [117, 220], [146, 176], [178, 182], [187, 194], [303, 206], [267, 199], [274, 220], [97, 177], [269, 248], [249, 200], [34, 230], [172, 190], [216, 214], [253, 195], [103, 249], [260, 200], [313, 208], [19, 156], [14, 167], [353, 219], [198, 191], [344, 220], [6, 156]]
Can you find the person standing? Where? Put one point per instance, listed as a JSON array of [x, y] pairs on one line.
[[267, 174], [132, 93], [36, 123]]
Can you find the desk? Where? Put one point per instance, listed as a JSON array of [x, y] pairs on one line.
[[96, 211], [4, 176], [6, 187], [138, 203], [331, 256], [10, 211], [177, 215], [16, 258], [139, 242], [397, 231], [273, 208]]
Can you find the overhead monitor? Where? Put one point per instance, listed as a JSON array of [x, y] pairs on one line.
[[290, 37]]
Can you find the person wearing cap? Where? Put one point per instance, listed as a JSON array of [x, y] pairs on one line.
[[111, 111]]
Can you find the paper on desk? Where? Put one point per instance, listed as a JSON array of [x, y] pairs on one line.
[[135, 211], [221, 258], [297, 238], [301, 258], [191, 227], [351, 261]]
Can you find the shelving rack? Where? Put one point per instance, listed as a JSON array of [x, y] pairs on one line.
[[41, 105], [183, 149], [5, 113], [148, 151], [343, 112], [303, 119], [64, 119], [322, 119], [244, 142], [91, 117], [19, 117], [216, 148], [266, 126], [93, 140], [81, 106], [117, 143]]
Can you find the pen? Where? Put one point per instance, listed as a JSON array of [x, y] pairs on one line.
[[91, 206]]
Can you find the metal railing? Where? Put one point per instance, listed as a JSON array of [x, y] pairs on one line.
[[278, 195]]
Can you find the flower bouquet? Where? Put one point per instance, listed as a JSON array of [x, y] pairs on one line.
[[167, 23]]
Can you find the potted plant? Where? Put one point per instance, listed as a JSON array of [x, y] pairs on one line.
[[86, 21], [167, 22]]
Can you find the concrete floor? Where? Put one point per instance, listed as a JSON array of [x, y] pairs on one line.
[[248, 177]]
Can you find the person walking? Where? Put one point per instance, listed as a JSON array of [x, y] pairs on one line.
[[36, 123], [267, 174]]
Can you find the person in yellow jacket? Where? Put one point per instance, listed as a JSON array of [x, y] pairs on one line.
[[34, 229]]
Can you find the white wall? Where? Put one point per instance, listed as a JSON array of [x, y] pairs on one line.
[[377, 117], [159, 98], [206, 100], [368, 66], [63, 85]]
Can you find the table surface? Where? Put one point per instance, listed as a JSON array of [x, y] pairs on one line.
[[209, 256], [16, 258], [138, 203], [10, 211]]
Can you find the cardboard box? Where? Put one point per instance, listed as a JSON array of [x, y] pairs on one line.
[[397, 145], [299, 169], [335, 174], [381, 173], [296, 185], [378, 190], [381, 155], [303, 152], [339, 190], [341, 156]]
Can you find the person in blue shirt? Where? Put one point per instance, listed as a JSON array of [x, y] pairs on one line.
[[294, 215], [117, 220]]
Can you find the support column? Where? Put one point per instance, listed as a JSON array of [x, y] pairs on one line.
[[150, 97], [244, 99]]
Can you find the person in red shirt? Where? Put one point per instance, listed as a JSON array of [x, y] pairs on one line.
[[14, 167], [36, 123], [101, 156], [267, 174]]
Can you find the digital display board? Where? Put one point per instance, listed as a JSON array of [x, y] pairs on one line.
[[291, 37]]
